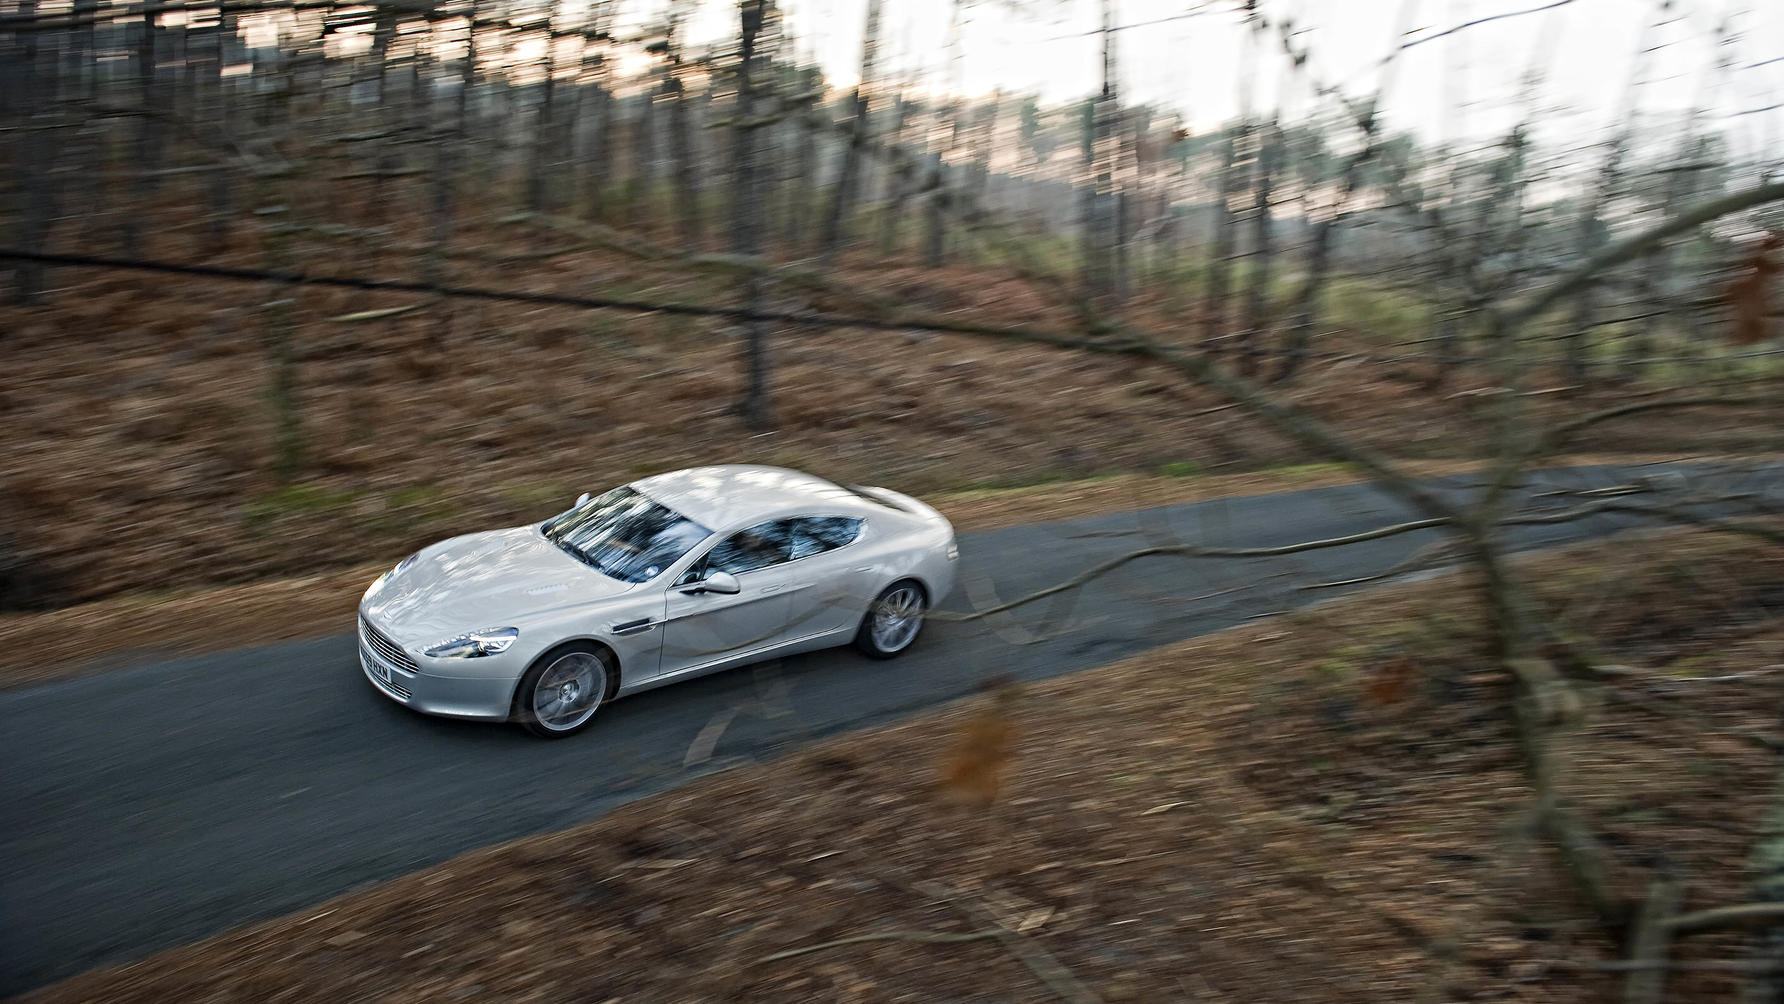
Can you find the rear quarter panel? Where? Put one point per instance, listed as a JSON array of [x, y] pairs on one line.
[[916, 546]]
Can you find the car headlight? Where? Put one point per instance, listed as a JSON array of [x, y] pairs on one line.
[[953, 549], [470, 645]]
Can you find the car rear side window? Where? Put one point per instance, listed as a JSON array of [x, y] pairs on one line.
[[817, 534]]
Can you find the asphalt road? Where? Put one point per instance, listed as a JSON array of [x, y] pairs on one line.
[[158, 804]]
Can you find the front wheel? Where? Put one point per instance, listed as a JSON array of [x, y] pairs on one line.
[[561, 692], [892, 621]]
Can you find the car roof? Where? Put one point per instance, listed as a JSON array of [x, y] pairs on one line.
[[729, 495]]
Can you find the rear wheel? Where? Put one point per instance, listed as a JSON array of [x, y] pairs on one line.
[[563, 689], [893, 621]]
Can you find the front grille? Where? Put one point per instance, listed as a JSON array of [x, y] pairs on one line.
[[390, 686], [384, 648]]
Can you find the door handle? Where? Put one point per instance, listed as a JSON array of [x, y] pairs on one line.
[[772, 589]]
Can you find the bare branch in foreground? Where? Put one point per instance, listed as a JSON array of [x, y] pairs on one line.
[[1647, 981], [1191, 551], [922, 937], [1745, 528], [1705, 965], [1636, 245], [1418, 561], [1722, 918], [1038, 960], [1557, 436]]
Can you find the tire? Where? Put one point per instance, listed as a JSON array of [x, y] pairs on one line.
[[893, 620], [585, 677]]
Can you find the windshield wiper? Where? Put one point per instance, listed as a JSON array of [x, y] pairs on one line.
[[575, 552]]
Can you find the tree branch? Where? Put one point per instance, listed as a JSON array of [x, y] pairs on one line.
[[922, 937], [1558, 435], [1647, 954], [1633, 247], [1722, 918], [1191, 551]]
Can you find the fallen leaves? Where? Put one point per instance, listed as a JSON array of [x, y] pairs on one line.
[[1749, 295], [974, 771]]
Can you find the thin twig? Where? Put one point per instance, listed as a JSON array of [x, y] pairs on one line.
[[1039, 961], [921, 937]]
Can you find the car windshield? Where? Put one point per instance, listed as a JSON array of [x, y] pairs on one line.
[[624, 534]]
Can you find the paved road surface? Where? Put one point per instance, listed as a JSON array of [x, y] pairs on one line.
[[161, 803]]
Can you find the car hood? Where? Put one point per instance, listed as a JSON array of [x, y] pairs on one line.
[[481, 580]]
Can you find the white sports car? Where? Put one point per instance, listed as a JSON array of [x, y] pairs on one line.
[[662, 580]]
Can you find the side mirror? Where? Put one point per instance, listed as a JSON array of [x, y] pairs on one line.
[[580, 500], [717, 582]]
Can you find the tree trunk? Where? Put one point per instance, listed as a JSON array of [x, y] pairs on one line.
[[448, 148], [642, 199], [1257, 297], [28, 221], [801, 191], [1104, 224], [683, 145], [902, 173], [1306, 304], [849, 178], [1768, 887], [1652, 279], [383, 163], [221, 197], [148, 138], [538, 182], [598, 168], [936, 212], [746, 236], [1220, 261], [1585, 308], [978, 189]]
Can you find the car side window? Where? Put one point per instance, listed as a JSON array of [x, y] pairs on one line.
[[817, 534], [747, 550]]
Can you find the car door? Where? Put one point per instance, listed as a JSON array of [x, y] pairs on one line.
[[705, 629], [824, 596]]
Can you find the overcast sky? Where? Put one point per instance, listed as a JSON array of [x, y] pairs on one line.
[[1465, 85]]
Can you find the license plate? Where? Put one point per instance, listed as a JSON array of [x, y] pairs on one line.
[[376, 667]]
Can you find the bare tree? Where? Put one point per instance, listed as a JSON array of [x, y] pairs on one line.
[[1257, 297], [597, 165], [538, 197], [746, 234], [683, 146], [843, 196], [1102, 224]]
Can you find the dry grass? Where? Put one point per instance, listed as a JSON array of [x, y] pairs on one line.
[[1247, 817]]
